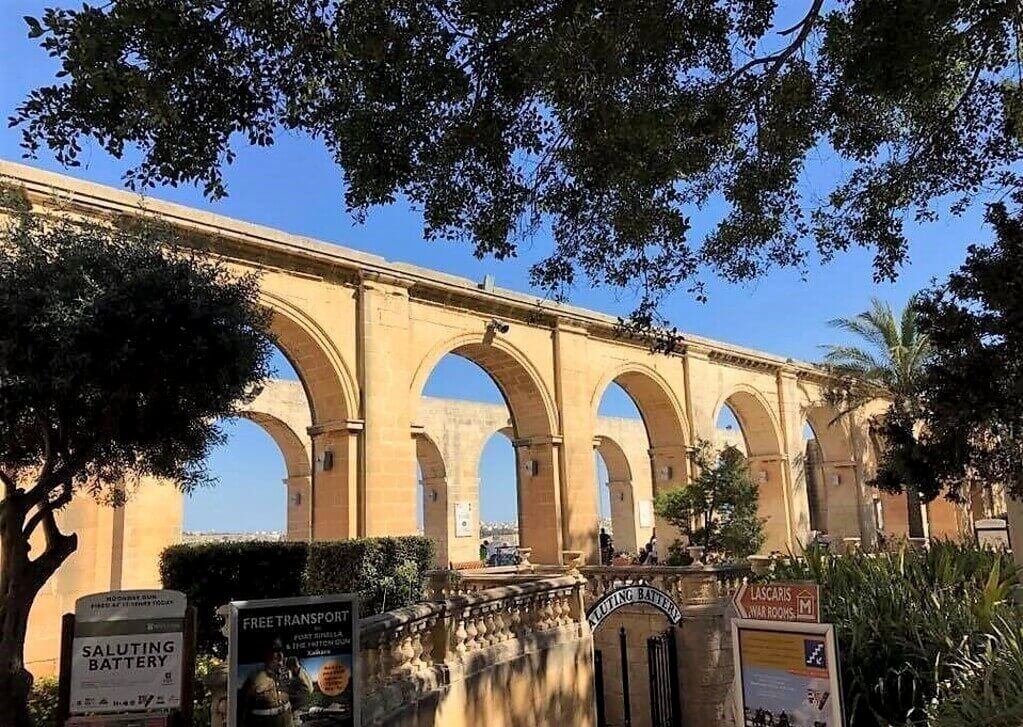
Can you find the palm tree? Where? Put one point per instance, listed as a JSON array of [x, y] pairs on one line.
[[891, 362], [890, 365]]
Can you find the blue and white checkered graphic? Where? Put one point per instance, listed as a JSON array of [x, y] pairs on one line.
[[813, 651]]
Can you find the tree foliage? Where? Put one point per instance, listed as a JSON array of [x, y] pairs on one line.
[[718, 509], [967, 422], [118, 354], [889, 364], [614, 122]]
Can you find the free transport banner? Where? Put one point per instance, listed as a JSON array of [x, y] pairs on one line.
[[293, 661], [127, 652], [788, 674]]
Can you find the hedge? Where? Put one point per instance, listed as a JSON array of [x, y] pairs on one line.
[[388, 573]]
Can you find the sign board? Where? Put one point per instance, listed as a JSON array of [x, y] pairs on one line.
[[646, 513], [992, 533], [463, 519], [633, 596], [786, 674], [779, 601], [295, 657], [127, 652]]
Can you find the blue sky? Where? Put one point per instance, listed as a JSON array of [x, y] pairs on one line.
[[295, 186]]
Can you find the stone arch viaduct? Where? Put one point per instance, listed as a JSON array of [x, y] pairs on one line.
[[365, 333]]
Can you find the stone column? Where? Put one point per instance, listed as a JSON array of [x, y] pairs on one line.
[[842, 496], [333, 513], [435, 516], [669, 468], [298, 490], [388, 504], [1014, 511], [539, 498], [769, 472], [623, 516], [577, 475]]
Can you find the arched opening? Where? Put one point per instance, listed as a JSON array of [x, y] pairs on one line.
[[265, 445], [616, 497], [637, 413], [499, 498], [829, 473], [307, 356], [488, 476], [431, 490], [745, 412]]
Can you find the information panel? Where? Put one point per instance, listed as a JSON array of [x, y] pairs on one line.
[[788, 674], [293, 660], [127, 652]]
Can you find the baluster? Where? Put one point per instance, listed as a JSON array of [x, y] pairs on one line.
[[471, 632], [461, 637], [426, 643]]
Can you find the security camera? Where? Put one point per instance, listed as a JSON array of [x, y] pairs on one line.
[[498, 326]]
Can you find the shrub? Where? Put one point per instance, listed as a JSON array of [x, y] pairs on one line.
[[900, 618], [212, 574], [984, 688], [42, 702], [388, 573], [203, 702]]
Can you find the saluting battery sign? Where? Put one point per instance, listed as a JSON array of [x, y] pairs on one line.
[[127, 652]]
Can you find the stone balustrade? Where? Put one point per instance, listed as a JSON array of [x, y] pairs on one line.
[[689, 586], [408, 655]]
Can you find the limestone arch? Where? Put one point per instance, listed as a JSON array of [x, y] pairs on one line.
[[535, 438], [828, 473], [662, 413], [293, 449], [760, 429], [622, 495], [765, 449], [332, 399], [528, 400], [435, 493], [666, 429], [325, 376]]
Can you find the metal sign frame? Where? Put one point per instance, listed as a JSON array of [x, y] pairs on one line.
[[633, 595], [833, 662], [234, 610]]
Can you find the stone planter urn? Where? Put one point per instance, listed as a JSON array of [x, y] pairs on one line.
[[572, 558], [852, 545], [524, 555], [696, 553], [759, 564]]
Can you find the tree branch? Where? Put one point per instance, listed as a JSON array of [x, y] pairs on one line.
[[48, 507], [58, 547], [779, 58]]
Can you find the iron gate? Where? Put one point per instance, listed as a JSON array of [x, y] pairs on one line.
[[665, 706]]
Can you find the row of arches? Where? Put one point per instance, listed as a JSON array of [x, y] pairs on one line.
[[532, 430]]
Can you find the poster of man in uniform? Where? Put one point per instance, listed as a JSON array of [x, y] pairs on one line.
[[293, 661], [127, 652], [788, 674]]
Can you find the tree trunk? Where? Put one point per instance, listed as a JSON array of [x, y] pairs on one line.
[[20, 581]]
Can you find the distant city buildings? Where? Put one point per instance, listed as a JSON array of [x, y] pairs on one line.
[[197, 538]]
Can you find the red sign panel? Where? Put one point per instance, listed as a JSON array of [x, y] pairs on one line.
[[779, 601]]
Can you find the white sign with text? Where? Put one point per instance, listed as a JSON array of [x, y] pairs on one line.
[[127, 652]]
